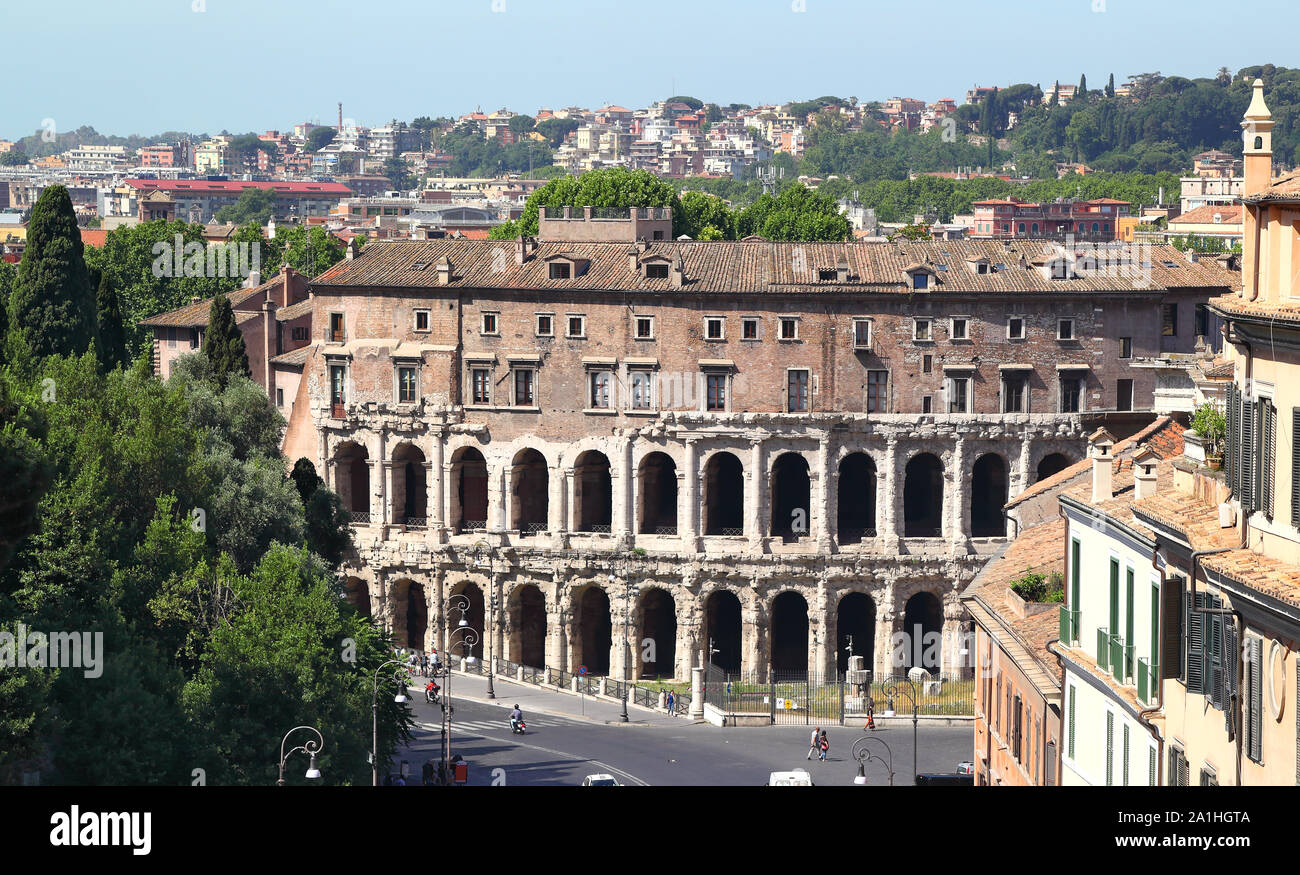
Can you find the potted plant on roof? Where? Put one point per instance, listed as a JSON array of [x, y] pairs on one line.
[[1208, 422]]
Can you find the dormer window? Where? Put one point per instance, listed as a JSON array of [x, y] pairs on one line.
[[826, 274], [560, 270], [657, 270], [920, 281]]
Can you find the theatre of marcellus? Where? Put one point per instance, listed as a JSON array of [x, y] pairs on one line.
[[756, 451]]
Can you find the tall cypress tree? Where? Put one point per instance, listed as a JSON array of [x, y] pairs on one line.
[[1110, 86], [112, 336], [223, 344], [52, 305], [1083, 86]]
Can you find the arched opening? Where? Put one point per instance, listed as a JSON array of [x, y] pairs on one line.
[[724, 495], [855, 624], [529, 488], [722, 622], [789, 634], [469, 473], [656, 480], [923, 628], [791, 497], [593, 631], [358, 595], [527, 609], [410, 489], [857, 499], [352, 466], [1052, 464], [655, 647], [923, 497], [417, 616], [469, 597], [987, 497], [592, 492]]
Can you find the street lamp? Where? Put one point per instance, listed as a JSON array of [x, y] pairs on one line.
[[311, 748], [400, 698], [863, 754], [486, 562], [627, 657], [469, 638], [892, 689]]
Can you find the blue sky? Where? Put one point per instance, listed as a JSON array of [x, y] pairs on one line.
[[145, 66]]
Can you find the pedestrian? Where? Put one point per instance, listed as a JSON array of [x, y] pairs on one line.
[[824, 747], [813, 741], [670, 702], [424, 665]]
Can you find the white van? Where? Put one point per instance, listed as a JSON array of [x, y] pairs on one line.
[[792, 778]]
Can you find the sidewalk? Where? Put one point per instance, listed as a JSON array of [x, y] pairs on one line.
[[542, 700]]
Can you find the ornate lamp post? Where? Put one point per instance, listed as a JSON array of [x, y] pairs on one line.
[[311, 748], [486, 562], [627, 658], [863, 754], [468, 638], [891, 689], [374, 714]]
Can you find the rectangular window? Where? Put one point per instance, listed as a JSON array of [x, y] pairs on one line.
[[715, 392], [481, 379], [713, 328], [601, 383], [1069, 740], [525, 395], [1254, 717], [577, 326], [338, 376], [279, 397], [1113, 627], [1123, 763], [789, 328], [921, 329], [1076, 579], [1071, 394], [927, 404], [489, 323], [336, 327], [1202, 320], [862, 334], [877, 391], [406, 383], [959, 395], [797, 391], [1126, 347], [1169, 320], [1016, 328], [545, 325], [1013, 395], [559, 270], [1123, 394], [642, 389], [1065, 329], [920, 280], [749, 329], [960, 328], [927, 364], [656, 271], [1129, 618], [300, 332], [645, 328], [171, 338], [1110, 748], [421, 320]]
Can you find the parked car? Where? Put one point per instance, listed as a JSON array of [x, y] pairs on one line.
[[945, 780], [600, 780], [966, 768], [792, 778]]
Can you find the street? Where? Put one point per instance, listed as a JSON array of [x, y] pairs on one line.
[[560, 749]]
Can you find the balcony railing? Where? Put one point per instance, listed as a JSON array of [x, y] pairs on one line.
[[361, 517], [1118, 660], [1069, 627], [1148, 681], [1103, 649]]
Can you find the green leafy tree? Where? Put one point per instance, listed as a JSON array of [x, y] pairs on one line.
[[319, 138], [223, 344], [701, 210], [112, 336], [307, 249], [521, 124], [556, 129], [24, 471], [304, 477], [693, 102], [613, 187], [399, 174], [253, 205], [13, 158], [797, 213], [52, 306], [1110, 86]]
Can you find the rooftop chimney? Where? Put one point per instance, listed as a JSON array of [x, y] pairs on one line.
[[842, 269], [675, 273], [352, 249], [1144, 472], [444, 272], [1100, 443], [254, 279]]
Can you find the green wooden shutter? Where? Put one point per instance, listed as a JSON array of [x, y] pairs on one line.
[[1232, 440], [1113, 628], [1128, 625], [1124, 759], [1174, 629], [1214, 675], [1155, 632], [1255, 699], [1195, 623], [1268, 440], [1110, 748], [1247, 459], [1231, 689], [1076, 577], [1295, 466]]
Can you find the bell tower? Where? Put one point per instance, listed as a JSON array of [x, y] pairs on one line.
[[1257, 160]]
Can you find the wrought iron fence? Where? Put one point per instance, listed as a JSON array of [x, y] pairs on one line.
[[530, 529], [561, 678], [665, 530], [589, 685], [645, 697], [613, 688], [360, 517], [733, 533], [416, 522], [682, 704], [533, 675], [473, 525], [506, 667]]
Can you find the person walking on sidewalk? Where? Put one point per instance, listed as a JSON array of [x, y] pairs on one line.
[[670, 703], [813, 741], [824, 747]]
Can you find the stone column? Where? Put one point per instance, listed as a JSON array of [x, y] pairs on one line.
[[753, 622], [689, 524], [557, 485], [884, 644], [556, 654], [890, 503], [435, 475], [697, 694], [390, 517], [1021, 482], [823, 524], [498, 495], [623, 509], [959, 530], [375, 504], [755, 489], [332, 476]]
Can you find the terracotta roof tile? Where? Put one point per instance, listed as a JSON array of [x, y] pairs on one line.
[[1231, 305], [1229, 214], [1259, 572]]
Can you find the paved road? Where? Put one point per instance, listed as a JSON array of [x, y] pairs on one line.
[[564, 745]]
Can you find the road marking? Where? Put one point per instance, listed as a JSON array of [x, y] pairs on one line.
[[633, 779]]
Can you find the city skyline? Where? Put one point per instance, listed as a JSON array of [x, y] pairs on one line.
[[526, 55]]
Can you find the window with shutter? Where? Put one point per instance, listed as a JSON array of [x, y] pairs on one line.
[[1295, 467], [1248, 458], [1123, 779], [1255, 701], [1174, 629], [1070, 740], [1231, 690], [1233, 439], [1268, 441], [1110, 748], [1195, 623], [1214, 675]]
